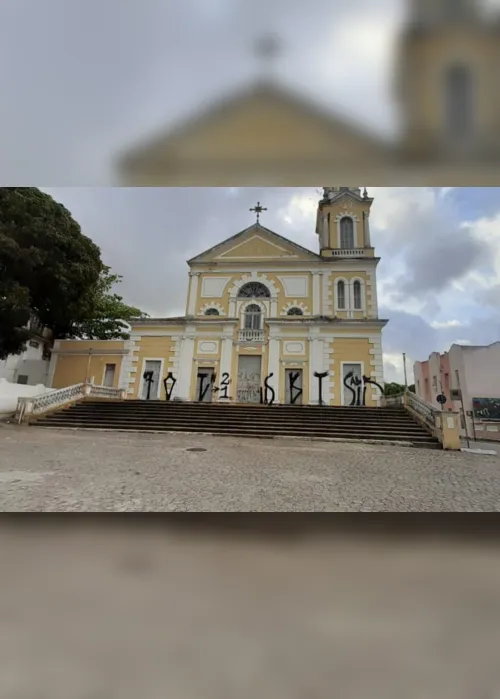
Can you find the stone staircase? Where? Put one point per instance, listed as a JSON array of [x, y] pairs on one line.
[[386, 425]]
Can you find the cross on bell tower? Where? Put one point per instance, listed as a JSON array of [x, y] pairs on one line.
[[258, 210]]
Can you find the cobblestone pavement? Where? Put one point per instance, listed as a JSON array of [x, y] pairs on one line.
[[66, 470]]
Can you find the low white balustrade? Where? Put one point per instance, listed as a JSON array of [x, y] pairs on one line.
[[251, 336], [63, 396], [426, 411]]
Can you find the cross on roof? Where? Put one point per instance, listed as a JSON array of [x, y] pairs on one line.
[[258, 210]]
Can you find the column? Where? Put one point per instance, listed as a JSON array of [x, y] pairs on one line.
[[274, 307], [316, 363], [273, 365], [316, 293], [368, 242], [193, 293], [186, 366], [226, 358]]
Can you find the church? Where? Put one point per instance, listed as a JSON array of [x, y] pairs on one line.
[[267, 321]]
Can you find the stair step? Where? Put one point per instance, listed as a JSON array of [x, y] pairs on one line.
[[343, 423]]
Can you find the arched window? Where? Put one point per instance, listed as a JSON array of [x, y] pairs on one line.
[[458, 101], [253, 317], [212, 312], [254, 290], [346, 233], [341, 295], [356, 292], [295, 311]]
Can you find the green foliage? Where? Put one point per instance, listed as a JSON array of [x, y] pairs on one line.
[[108, 315], [50, 270], [393, 389]]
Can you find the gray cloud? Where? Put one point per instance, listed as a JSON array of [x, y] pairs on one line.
[[86, 77], [434, 249]]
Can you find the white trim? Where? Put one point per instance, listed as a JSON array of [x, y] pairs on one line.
[[363, 295], [341, 378], [104, 373], [192, 292], [347, 294], [347, 213], [207, 306], [141, 378], [295, 304], [243, 305]]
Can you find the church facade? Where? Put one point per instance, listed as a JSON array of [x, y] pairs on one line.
[[267, 321]]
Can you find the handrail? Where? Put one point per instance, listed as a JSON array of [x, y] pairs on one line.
[[35, 405], [425, 410]]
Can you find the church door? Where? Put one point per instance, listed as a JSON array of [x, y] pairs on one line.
[[249, 375], [352, 384], [151, 379], [204, 384]]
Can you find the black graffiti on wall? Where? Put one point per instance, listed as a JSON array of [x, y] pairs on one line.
[[295, 391], [149, 380], [224, 385], [268, 395], [320, 376], [204, 389], [169, 389], [358, 385]]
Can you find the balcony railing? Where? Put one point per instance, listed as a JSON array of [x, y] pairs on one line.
[[356, 252], [251, 336]]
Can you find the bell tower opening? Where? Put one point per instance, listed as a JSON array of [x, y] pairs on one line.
[[343, 225]]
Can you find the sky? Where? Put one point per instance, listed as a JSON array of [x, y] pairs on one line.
[[86, 79], [438, 279]]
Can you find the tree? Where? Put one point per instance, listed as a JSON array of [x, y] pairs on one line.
[[393, 389], [50, 270], [108, 315]]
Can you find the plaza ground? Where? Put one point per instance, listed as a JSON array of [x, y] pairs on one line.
[[93, 471]]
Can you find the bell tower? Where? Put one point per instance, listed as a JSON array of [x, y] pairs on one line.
[[447, 85], [343, 223]]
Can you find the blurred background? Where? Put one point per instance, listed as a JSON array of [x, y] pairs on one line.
[[289, 607], [250, 93]]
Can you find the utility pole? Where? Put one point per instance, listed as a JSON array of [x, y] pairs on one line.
[[404, 367]]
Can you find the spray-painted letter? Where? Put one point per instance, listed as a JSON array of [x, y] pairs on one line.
[[320, 378]]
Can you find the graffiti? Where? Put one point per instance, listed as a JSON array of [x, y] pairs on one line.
[[224, 385], [295, 391], [358, 385], [264, 395], [169, 390], [203, 390], [148, 378], [320, 377]]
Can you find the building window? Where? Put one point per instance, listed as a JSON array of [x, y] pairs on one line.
[[254, 290], [295, 311], [253, 317], [341, 295], [22, 378], [358, 305], [346, 233], [418, 389], [458, 101], [212, 312], [446, 382], [434, 383], [457, 378]]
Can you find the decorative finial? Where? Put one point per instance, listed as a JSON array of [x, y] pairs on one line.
[[267, 49], [258, 210], [365, 193]]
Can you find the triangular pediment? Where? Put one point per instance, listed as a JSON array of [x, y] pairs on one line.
[[256, 244], [265, 125]]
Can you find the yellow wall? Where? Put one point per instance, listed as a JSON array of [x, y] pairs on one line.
[[75, 368], [152, 348], [283, 299], [352, 350]]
